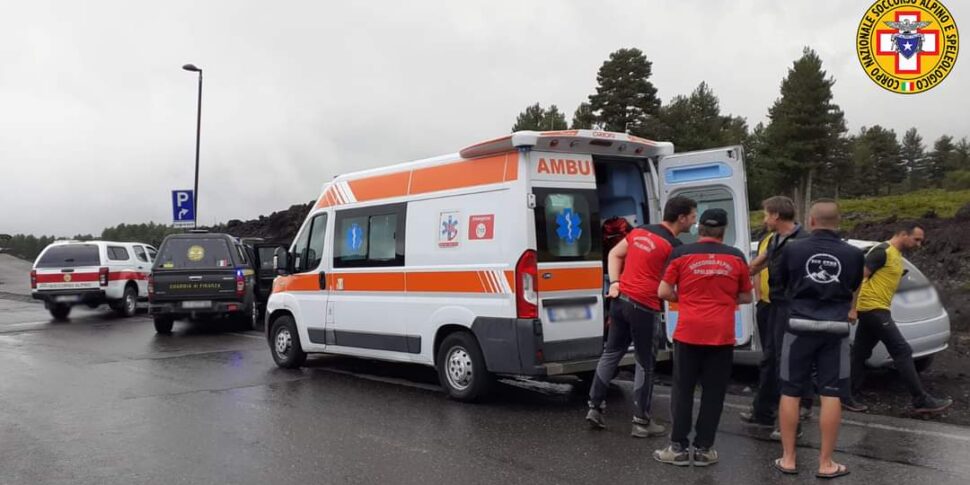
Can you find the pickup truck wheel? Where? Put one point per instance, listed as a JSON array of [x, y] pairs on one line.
[[461, 368], [285, 344], [129, 302], [164, 324], [60, 311]]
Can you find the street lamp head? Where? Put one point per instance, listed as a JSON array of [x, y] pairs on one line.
[[191, 67]]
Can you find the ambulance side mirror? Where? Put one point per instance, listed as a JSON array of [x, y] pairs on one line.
[[281, 261]]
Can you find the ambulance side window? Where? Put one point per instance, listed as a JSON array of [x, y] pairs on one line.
[[369, 237]]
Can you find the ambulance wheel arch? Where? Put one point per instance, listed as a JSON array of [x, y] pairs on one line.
[[284, 304]]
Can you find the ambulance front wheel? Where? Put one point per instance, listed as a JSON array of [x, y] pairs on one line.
[[285, 343], [461, 368]]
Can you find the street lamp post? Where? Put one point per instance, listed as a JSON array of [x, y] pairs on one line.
[[198, 133]]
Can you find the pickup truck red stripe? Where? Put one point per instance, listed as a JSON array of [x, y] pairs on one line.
[[86, 277]]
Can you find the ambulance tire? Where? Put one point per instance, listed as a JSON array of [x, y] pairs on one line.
[[60, 312], [284, 343], [461, 368], [163, 324]]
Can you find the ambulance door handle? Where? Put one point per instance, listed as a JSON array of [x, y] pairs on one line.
[[323, 280]]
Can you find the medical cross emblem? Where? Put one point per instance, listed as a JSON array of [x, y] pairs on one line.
[[908, 41]]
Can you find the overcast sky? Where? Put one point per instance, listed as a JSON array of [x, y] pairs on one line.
[[97, 120]]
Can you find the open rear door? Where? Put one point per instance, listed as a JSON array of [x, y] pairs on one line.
[[715, 179]]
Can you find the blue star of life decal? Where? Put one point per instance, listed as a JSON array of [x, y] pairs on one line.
[[355, 237], [569, 228], [449, 228]]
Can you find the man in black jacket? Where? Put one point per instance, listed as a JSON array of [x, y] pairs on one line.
[[822, 275]]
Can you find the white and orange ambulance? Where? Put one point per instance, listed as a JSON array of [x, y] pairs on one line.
[[487, 261]]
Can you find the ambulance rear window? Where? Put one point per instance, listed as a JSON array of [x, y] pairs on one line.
[[567, 225], [194, 253], [70, 256]]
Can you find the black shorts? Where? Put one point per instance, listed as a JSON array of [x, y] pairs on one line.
[[828, 353]]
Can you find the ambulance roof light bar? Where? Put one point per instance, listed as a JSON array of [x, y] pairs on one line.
[[573, 141]]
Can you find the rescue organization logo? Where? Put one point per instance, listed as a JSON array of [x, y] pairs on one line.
[[67, 278], [823, 268], [907, 46], [569, 226], [448, 230]]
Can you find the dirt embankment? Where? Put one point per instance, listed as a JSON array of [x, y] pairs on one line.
[[278, 227]]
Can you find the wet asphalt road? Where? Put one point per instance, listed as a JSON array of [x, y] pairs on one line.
[[106, 400]]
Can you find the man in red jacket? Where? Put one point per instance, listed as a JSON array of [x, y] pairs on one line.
[[708, 280]]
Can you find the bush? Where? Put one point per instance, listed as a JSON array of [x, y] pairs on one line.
[[959, 180]]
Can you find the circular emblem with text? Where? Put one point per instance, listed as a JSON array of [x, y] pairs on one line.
[[907, 46], [196, 253], [67, 278], [823, 268]]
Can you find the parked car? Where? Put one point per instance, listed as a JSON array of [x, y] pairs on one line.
[[69, 273], [201, 274], [917, 310]]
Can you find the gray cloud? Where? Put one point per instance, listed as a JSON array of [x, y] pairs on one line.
[[97, 118]]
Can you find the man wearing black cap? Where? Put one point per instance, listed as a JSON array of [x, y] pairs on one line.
[[708, 280]]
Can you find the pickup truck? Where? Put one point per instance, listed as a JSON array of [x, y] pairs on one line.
[[202, 274]]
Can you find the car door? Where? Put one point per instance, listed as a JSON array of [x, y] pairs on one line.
[[308, 283], [715, 179]]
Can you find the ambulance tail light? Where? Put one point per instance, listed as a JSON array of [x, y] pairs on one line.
[[103, 276], [33, 279], [526, 276], [240, 284]]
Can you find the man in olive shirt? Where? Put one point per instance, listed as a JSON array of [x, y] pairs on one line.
[[883, 272]]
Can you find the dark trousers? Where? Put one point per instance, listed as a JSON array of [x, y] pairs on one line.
[[709, 366], [772, 321], [628, 323], [878, 326]]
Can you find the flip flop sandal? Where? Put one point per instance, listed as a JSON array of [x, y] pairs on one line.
[[786, 471], [840, 471]]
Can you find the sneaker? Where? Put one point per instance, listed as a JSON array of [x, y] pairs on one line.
[[595, 418], [749, 417], [804, 414], [705, 456], [776, 434], [929, 404], [850, 404], [673, 454], [646, 428]]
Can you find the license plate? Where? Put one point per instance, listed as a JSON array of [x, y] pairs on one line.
[[196, 304], [565, 313], [66, 298]]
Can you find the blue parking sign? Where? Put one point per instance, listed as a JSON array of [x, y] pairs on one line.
[[183, 208]]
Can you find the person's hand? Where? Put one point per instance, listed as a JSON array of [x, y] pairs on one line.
[[614, 290], [853, 316]]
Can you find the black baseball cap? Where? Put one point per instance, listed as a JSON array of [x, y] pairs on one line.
[[714, 218]]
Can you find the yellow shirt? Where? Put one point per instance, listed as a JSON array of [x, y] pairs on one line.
[[885, 264], [763, 288]]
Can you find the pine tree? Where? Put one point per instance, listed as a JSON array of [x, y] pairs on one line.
[[537, 118], [553, 119], [695, 122], [583, 118], [805, 127], [625, 98], [912, 156], [877, 160], [940, 159]]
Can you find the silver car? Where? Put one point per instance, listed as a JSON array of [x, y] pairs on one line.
[[917, 310]]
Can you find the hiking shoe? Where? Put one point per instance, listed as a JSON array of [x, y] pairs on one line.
[[850, 404], [749, 417], [776, 434], [705, 456], [646, 428], [673, 454], [929, 404], [595, 418], [804, 414]]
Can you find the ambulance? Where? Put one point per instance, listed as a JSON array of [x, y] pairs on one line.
[[486, 262]]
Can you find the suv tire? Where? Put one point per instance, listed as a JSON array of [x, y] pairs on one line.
[[284, 343], [163, 324], [60, 312], [249, 318], [461, 368]]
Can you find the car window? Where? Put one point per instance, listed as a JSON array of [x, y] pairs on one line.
[[152, 252], [194, 253], [140, 254], [372, 236], [309, 245], [242, 254], [118, 253], [266, 255], [565, 228], [711, 198], [70, 256]]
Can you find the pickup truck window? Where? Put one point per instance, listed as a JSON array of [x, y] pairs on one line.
[[70, 256], [194, 253]]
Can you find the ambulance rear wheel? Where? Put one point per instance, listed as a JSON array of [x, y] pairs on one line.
[[461, 368], [60, 312]]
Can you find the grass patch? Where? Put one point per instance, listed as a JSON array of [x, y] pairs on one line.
[[913, 205]]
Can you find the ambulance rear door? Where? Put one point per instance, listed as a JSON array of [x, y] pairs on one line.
[[715, 179]]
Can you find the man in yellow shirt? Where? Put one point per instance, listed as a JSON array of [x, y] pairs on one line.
[[884, 270]]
